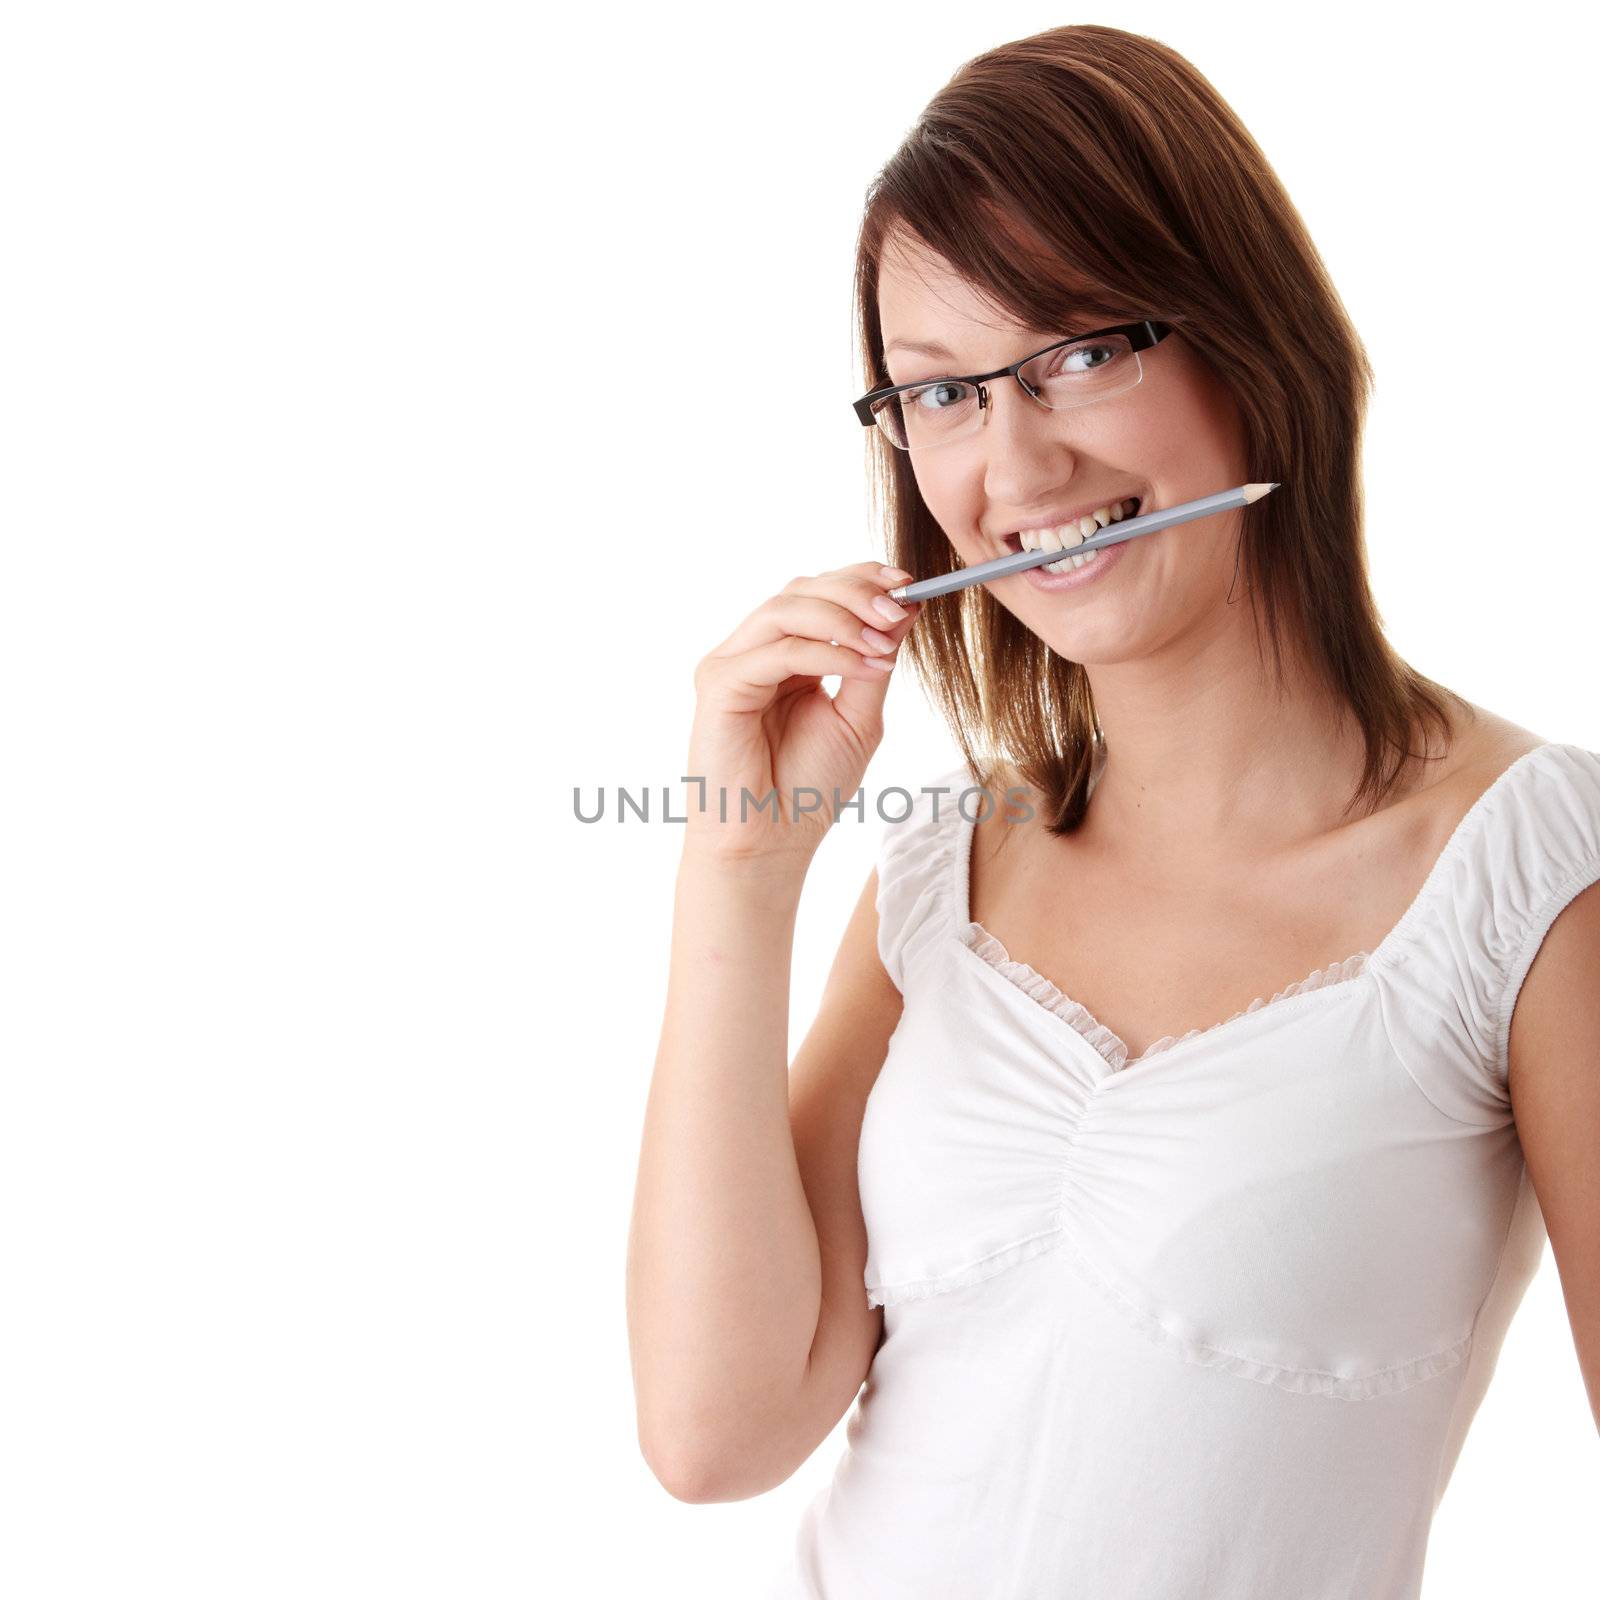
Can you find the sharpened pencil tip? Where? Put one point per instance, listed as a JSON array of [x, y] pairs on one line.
[[1254, 491]]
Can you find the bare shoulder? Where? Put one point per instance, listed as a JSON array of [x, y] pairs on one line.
[[1501, 741], [1434, 795], [1480, 748]]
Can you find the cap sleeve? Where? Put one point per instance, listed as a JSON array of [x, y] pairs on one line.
[[1561, 807], [915, 862], [1531, 845]]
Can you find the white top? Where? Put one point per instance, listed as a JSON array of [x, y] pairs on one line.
[[1212, 1324]]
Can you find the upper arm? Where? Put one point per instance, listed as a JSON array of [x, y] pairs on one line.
[[829, 1081], [1553, 1063]]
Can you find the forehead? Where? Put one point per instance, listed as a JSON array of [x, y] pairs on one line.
[[922, 298]]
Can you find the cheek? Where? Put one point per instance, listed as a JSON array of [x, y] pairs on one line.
[[957, 520], [1175, 571], [1195, 577], [971, 550], [1197, 422]]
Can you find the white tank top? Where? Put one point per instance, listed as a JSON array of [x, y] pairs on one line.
[[1210, 1324]]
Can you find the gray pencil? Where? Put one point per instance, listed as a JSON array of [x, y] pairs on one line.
[[1004, 566]]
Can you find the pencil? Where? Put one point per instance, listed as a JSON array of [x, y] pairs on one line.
[[1207, 506]]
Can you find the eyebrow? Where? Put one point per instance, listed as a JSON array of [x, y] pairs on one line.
[[921, 349], [939, 349]]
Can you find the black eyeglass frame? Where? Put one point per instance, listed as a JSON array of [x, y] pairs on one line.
[[1141, 335]]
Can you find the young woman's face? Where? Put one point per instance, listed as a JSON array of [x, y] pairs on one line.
[[1175, 436]]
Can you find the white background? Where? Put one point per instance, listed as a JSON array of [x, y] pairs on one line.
[[380, 452]]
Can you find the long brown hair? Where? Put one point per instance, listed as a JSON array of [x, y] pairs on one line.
[[1089, 170]]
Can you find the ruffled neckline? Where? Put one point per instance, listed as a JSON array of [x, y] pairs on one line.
[[1100, 1038], [958, 842]]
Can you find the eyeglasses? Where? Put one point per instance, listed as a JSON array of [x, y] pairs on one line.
[[1072, 372]]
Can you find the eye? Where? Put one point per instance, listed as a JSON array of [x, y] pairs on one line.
[[1094, 354], [947, 393]]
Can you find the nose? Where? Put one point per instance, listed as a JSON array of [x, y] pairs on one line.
[[1026, 447], [1021, 423]]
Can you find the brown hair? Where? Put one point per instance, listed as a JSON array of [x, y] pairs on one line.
[[1085, 170]]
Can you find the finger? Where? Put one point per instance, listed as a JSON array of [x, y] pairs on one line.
[[874, 572], [852, 603], [809, 617], [870, 578], [859, 700], [745, 681]]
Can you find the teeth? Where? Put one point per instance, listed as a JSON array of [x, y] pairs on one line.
[[1070, 563], [1071, 533], [1074, 533]]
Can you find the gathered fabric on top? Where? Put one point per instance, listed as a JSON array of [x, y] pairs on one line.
[[1211, 1323]]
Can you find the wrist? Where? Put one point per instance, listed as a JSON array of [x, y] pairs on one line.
[[765, 869]]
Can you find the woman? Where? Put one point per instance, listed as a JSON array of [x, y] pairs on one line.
[[1204, 1158]]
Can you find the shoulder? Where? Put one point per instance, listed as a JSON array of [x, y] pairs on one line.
[[1554, 996], [1485, 747], [1511, 823], [1540, 869], [1479, 748], [1439, 791], [1527, 810], [915, 863]]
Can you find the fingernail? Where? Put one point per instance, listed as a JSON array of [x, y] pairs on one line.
[[882, 663], [893, 574], [885, 607], [878, 641]]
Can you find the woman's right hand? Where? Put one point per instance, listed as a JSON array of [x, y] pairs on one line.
[[763, 722]]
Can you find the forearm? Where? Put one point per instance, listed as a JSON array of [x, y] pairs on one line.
[[724, 1271]]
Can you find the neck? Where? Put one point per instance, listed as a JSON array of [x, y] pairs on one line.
[[1206, 758]]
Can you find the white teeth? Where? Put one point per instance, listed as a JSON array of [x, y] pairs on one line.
[[1074, 533], [1071, 533], [1071, 563]]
